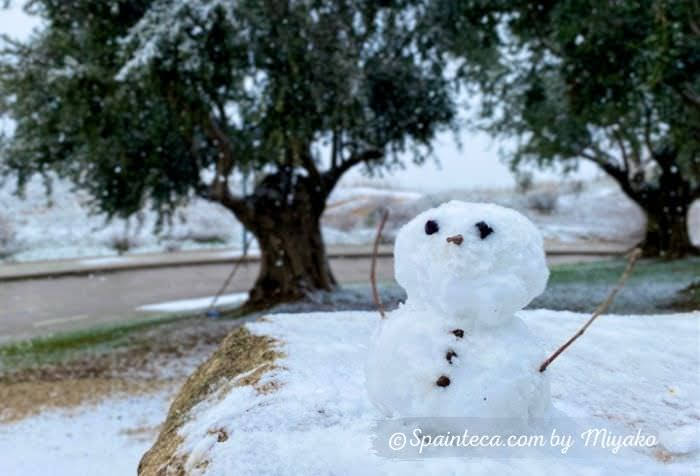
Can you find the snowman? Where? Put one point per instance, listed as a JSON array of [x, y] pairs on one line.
[[455, 348]]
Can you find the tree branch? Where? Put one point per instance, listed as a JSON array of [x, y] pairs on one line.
[[623, 150], [217, 189], [691, 96], [334, 148], [647, 129], [218, 192], [332, 175], [621, 176], [373, 269], [308, 163], [602, 307], [224, 163]]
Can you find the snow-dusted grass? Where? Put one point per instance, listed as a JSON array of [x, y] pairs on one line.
[[638, 372], [653, 287]]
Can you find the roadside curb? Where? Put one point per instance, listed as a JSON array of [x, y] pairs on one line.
[[86, 266]]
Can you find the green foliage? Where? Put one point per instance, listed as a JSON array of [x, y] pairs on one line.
[[72, 117], [617, 83], [141, 102]]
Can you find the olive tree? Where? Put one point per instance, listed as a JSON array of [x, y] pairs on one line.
[[151, 103]]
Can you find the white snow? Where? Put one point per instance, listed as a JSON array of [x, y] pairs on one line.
[[107, 260], [39, 228], [683, 440], [342, 194], [640, 372], [197, 304], [166, 21], [466, 267], [61, 226], [106, 439]]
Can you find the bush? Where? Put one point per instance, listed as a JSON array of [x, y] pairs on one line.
[[544, 202]]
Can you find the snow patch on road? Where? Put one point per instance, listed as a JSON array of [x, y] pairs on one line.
[[106, 261], [197, 304]]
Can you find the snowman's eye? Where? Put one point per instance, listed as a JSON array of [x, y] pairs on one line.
[[431, 227], [484, 229]]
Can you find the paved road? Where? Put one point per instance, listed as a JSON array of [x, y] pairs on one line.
[[42, 306], [35, 307]]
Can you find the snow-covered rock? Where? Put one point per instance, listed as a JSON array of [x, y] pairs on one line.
[[286, 395]]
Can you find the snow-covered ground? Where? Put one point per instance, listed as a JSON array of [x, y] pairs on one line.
[[60, 226], [107, 439], [40, 228], [566, 212], [638, 372]]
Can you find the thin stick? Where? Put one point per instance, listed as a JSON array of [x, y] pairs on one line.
[[602, 307], [373, 271], [236, 265]]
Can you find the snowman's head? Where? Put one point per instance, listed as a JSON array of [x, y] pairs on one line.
[[472, 260]]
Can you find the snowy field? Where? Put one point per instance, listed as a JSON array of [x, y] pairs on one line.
[[639, 372], [41, 228]]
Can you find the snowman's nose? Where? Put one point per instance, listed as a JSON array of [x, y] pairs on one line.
[[456, 239]]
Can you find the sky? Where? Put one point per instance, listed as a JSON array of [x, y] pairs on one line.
[[477, 164]]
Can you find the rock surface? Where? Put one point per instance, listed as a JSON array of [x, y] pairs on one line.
[[240, 354]]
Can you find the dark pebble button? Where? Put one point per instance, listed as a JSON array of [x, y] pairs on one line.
[[443, 381], [450, 354]]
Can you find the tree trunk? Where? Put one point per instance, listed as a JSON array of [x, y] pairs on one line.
[[667, 235], [667, 219], [286, 223]]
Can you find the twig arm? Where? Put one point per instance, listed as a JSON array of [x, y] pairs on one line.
[[373, 270], [602, 307]]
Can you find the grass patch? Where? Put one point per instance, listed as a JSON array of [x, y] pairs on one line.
[[655, 286], [609, 271], [66, 345]]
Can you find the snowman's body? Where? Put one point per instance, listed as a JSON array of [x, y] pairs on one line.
[[456, 349]]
